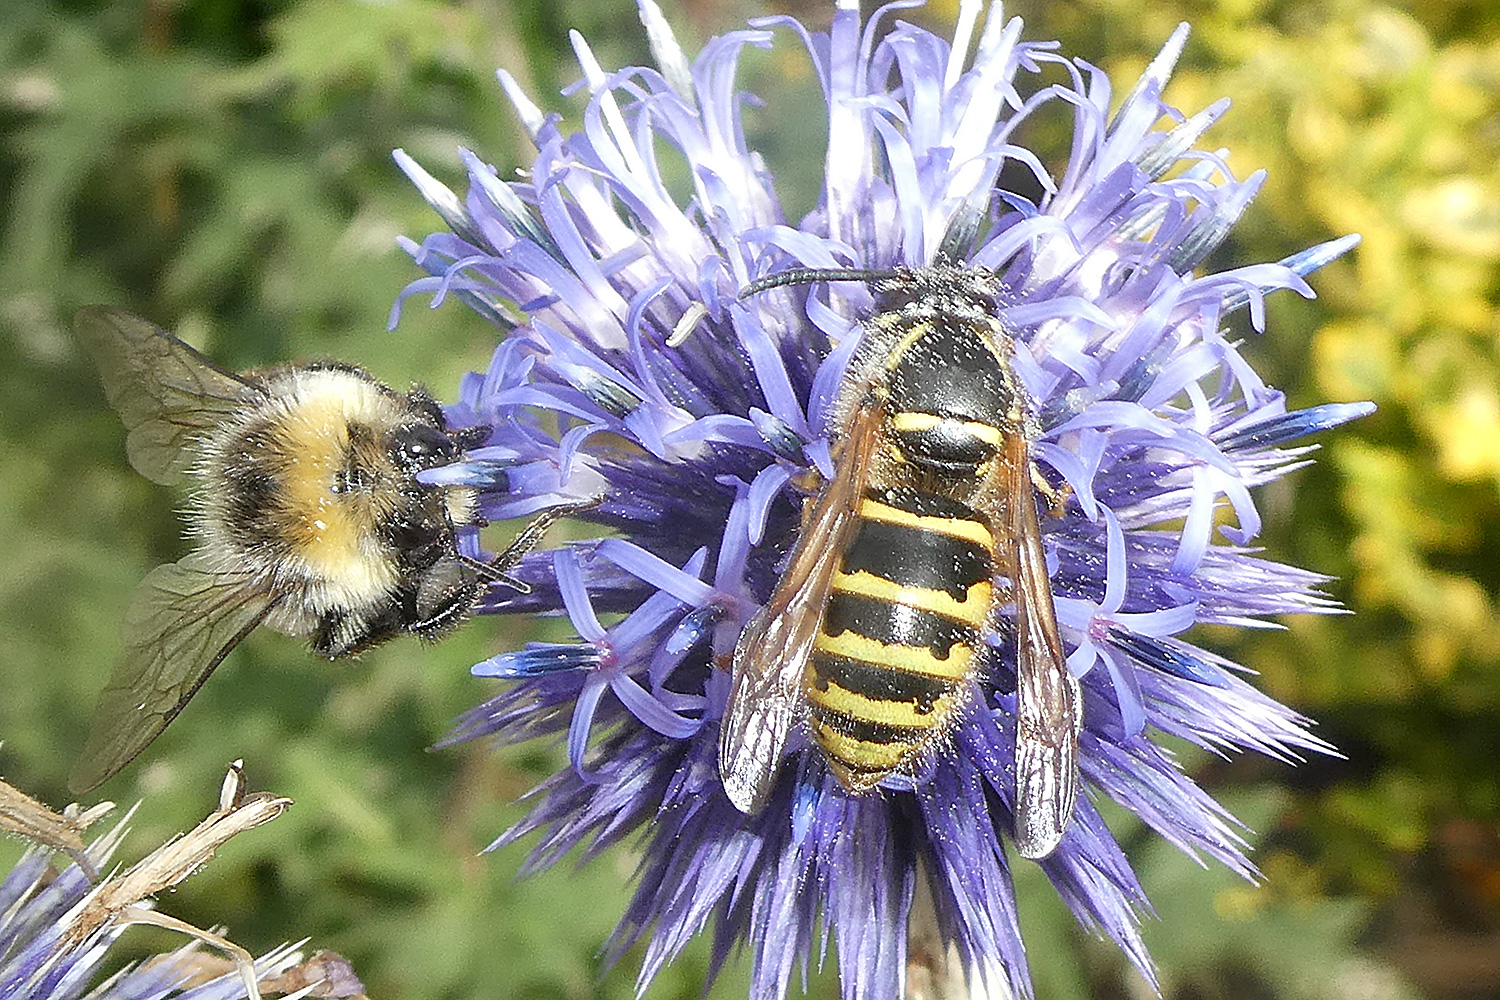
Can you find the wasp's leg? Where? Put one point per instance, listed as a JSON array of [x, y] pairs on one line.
[[1057, 497]]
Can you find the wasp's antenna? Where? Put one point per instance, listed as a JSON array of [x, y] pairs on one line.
[[810, 275]]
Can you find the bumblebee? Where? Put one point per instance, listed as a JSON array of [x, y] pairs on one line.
[[307, 511], [928, 530]]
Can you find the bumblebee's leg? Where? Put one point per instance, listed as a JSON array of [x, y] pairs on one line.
[[341, 632], [529, 536], [525, 541]]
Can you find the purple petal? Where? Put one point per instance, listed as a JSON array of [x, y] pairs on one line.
[[583, 721], [649, 710], [682, 584], [575, 595]]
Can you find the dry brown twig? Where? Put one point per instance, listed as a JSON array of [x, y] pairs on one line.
[[326, 975], [118, 898], [21, 814]]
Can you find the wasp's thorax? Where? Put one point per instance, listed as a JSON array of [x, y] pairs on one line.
[[957, 291]]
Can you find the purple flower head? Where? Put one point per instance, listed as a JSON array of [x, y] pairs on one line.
[[50, 950], [631, 370]]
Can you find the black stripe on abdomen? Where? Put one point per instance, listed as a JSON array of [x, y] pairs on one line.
[[915, 557], [879, 683], [896, 624], [868, 730]]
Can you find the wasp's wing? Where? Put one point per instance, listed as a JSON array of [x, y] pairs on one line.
[[773, 648], [182, 622], [1049, 704], [167, 394]]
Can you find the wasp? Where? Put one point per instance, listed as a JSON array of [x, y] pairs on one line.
[[925, 535]]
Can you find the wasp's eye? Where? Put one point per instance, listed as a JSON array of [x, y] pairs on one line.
[[420, 446]]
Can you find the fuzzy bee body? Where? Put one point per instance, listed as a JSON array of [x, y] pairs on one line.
[[309, 488], [875, 635], [307, 511]]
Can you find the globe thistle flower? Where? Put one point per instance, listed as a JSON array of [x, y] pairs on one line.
[[57, 927], [632, 371]]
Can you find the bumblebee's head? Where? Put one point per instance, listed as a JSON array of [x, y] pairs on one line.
[[425, 441], [417, 447]]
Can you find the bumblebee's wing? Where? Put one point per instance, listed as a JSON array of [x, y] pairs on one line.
[[166, 393], [1049, 704], [773, 648], [182, 622]]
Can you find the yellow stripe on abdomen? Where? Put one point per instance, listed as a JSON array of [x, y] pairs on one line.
[[973, 609], [912, 659], [862, 755], [909, 421], [951, 527]]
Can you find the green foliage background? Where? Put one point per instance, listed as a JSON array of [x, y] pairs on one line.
[[223, 167]]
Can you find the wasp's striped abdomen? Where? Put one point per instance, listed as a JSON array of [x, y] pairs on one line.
[[901, 631]]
